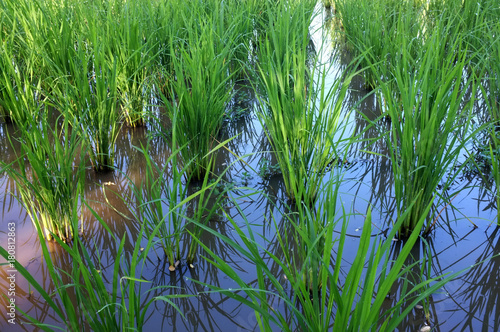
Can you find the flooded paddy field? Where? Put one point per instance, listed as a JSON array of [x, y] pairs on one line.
[[157, 244]]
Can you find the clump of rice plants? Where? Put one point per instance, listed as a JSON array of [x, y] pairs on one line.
[[166, 206], [202, 89], [316, 296], [428, 124], [492, 68], [491, 95], [375, 29], [160, 204], [91, 93], [299, 111], [203, 205], [89, 300], [48, 176], [133, 49], [20, 98]]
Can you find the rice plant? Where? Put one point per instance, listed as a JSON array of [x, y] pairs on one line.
[[317, 298], [166, 205], [202, 88], [20, 88], [160, 206], [86, 301], [203, 205], [492, 67], [132, 46], [233, 22], [375, 29], [491, 96], [429, 125], [91, 93], [48, 176], [299, 111]]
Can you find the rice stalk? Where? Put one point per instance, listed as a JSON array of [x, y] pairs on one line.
[[298, 110], [48, 175], [202, 88], [429, 124], [322, 301]]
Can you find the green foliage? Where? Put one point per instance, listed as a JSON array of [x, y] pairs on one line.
[[266, 169], [48, 176], [306, 260], [86, 300], [100, 63], [299, 111], [20, 88], [376, 29], [202, 88], [91, 93], [428, 125]]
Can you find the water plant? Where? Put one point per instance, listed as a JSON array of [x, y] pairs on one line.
[[202, 89], [429, 124], [266, 169], [49, 176], [86, 301], [316, 295], [91, 93], [298, 109]]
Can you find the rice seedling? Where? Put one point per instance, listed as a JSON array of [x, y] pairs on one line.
[[168, 209], [202, 88], [86, 302], [56, 37], [204, 204], [167, 206], [375, 29], [162, 205], [48, 176], [490, 92], [320, 299], [299, 111], [20, 89], [233, 23], [429, 125], [90, 92], [132, 47], [159, 205]]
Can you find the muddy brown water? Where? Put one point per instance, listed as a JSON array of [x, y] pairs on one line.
[[464, 239]]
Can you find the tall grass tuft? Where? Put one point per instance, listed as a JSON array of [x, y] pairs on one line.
[[91, 93], [316, 296], [49, 176], [429, 124], [299, 110], [202, 88]]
